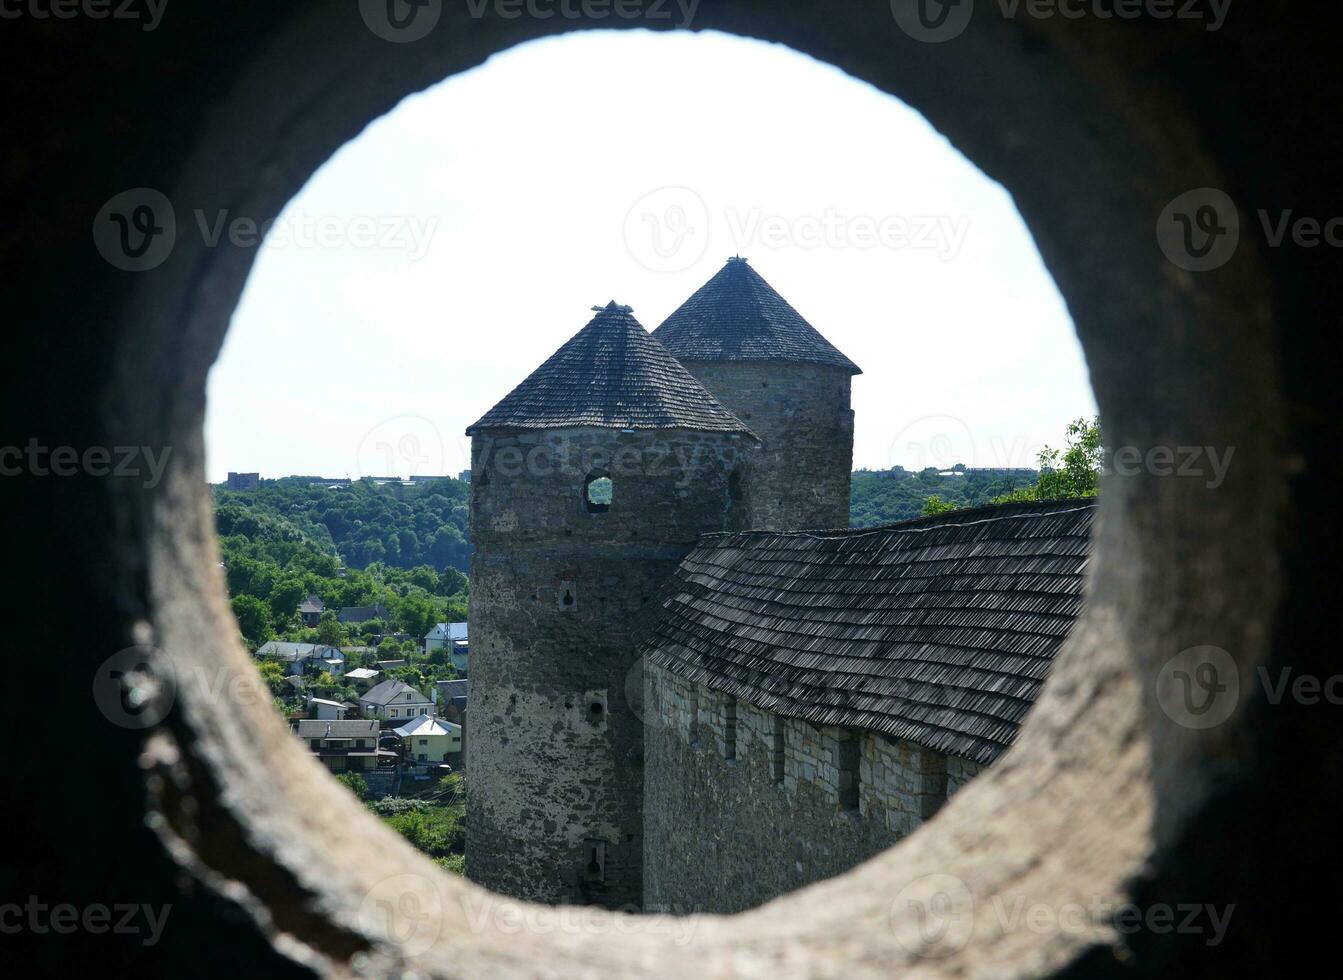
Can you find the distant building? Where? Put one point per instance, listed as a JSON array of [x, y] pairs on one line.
[[310, 610], [242, 481], [302, 655], [353, 615], [363, 678], [326, 710], [453, 637], [429, 739], [464, 476], [394, 699], [344, 746]]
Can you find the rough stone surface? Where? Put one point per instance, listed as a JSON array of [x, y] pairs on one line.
[[737, 814], [800, 476], [554, 776]]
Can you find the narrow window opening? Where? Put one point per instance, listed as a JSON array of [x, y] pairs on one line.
[[777, 748], [598, 492], [595, 867], [734, 485], [596, 711], [730, 729], [846, 761]]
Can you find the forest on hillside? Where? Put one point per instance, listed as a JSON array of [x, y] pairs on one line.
[[898, 494]]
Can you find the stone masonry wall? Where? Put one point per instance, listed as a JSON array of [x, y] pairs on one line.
[[800, 475], [741, 805], [555, 769]]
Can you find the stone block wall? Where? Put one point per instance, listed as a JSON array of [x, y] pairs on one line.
[[558, 591], [742, 805], [799, 478]]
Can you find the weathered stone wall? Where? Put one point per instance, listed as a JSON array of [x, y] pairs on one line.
[[741, 805], [554, 773], [799, 478]]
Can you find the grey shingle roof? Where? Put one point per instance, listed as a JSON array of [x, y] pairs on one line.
[[347, 728], [939, 630], [393, 691], [737, 316], [611, 374]]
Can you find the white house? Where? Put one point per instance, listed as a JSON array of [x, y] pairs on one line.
[[454, 637], [302, 655], [394, 699], [327, 710], [429, 739]]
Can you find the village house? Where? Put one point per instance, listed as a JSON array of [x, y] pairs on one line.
[[300, 656], [453, 637], [344, 746], [394, 699], [362, 678], [326, 710], [310, 611], [353, 615], [430, 739]]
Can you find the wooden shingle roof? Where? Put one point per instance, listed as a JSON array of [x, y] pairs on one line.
[[737, 316], [939, 630], [611, 374]]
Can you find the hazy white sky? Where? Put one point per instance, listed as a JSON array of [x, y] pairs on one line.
[[438, 258]]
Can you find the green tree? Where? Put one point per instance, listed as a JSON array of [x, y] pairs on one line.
[[253, 618], [933, 504], [354, 782], [1071, 472], [329, 630]]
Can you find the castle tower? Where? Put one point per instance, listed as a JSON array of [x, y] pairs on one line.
[[774, 371], [591, 481]]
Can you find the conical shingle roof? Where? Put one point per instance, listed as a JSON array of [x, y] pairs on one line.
[[737, 316], [611, 374]]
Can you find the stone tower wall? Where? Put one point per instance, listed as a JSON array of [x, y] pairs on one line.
[[742, 805], [555, 771], [800, 476]]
